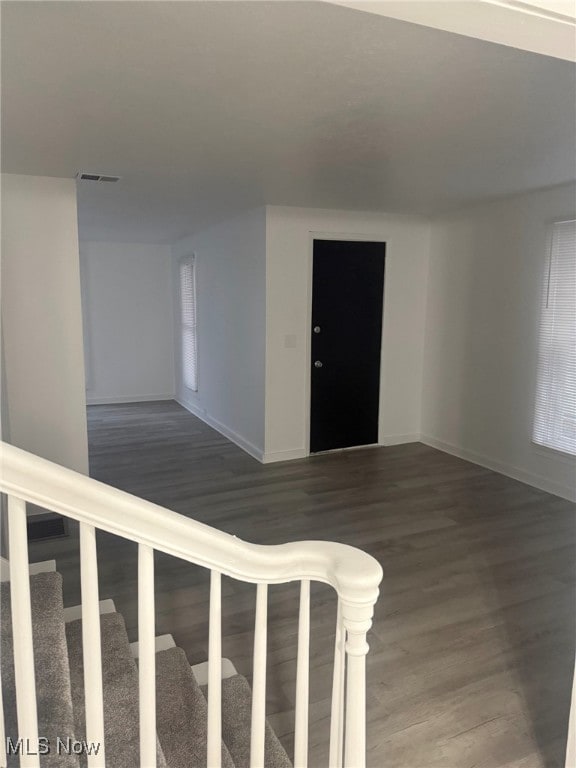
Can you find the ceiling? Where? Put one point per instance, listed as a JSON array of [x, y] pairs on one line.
[[209, 108], [541, 26]]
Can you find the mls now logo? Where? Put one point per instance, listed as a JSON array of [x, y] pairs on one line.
[[65, 746], [27, 746]]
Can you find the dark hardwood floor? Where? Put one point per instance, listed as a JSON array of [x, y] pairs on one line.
[[473, 645]]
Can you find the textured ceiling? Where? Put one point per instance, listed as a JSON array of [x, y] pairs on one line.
[[208, 108]]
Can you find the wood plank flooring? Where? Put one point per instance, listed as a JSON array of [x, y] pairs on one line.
[[472, 650]]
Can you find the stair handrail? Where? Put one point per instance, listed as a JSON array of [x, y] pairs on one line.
[[354, 574]]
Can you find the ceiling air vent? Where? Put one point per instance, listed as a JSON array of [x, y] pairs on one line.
[[81, 176]]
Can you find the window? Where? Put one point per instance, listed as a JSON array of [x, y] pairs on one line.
[[188, 323], [555, 417]]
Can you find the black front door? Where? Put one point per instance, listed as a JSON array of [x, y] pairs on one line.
[[347, 296]]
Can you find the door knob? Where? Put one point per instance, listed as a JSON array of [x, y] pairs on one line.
[[317, 364], [316, 329]]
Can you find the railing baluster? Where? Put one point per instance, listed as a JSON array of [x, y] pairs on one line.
[[214, 747], [3, 760], [355, 745], [147, 656], [302, 679], [337, 713], [22, 630], [357, 621], [91, 645], [4, 563], [257, 736]]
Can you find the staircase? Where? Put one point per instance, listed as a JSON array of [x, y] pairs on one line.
[[144, 705], [181, 702]]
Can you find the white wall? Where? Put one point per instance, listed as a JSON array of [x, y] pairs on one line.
[[128, 321], [290, 232], [486, 271], [231, 317], [42, 320]]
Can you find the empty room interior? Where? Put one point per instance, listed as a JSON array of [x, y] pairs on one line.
[[288, 384]]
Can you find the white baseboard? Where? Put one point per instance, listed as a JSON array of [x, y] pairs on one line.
[[127, 399], [400, 439], [272, 456], [530, 478], [234, 437]]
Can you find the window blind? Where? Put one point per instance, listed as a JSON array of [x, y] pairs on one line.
[[555, 413], [188, 324]]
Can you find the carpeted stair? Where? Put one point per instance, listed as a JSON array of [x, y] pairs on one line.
[[181, 703], [181, 712], [236, 716], [53, 692], [120, 687]]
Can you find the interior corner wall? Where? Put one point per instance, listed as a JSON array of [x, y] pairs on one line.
[[230, 261], [42, 319], [128, 321], [290, 232], [487, 267]]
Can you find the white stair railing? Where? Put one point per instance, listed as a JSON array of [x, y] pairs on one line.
[[302, 679], [337, 709], [91, 644], [147, 655], [214, 750], [258, 732], [354, 575], [24, 673]]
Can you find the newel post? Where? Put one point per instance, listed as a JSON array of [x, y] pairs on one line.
[[357, 620]]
